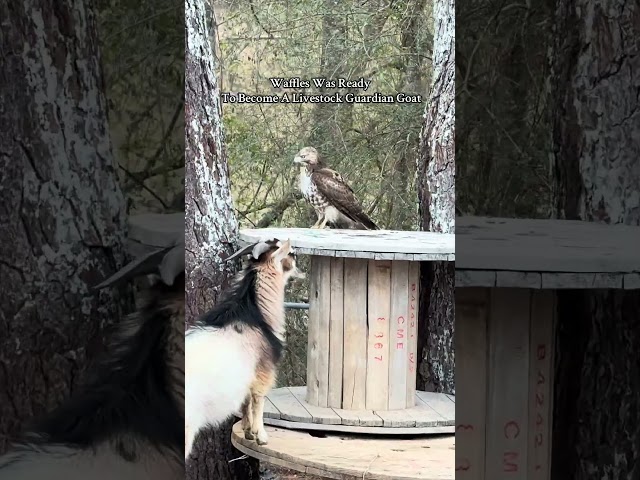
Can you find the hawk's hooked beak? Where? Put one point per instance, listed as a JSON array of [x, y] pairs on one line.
[[298, 159]]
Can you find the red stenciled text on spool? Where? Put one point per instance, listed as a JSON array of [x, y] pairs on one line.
[[400, 334], [379, 345], [539, 405], [412, 315], [463, 465], [511, 458], [510, 462], [511, 430]]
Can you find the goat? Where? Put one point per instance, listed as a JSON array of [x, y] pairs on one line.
[[232, 351], [127, 421]]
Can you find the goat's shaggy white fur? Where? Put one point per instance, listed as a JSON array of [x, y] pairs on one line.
[[230, 356], [215, 391], [126, 421]]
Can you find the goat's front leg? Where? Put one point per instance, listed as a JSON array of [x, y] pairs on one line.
[[263, 383], [258, 430], [247, 417]]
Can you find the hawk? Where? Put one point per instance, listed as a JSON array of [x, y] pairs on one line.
[[328, 193]]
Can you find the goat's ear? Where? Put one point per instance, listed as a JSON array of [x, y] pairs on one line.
[[282, 251]]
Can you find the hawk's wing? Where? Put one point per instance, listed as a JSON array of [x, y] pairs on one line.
[[340, 195], [338, 177]]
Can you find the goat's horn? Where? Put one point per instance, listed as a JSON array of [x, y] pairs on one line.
[[259, 249], [172, 264], [256, 249], [140, 266], [241, 252]]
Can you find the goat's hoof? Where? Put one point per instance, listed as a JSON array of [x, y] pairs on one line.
[[262, 438], [248, 435]]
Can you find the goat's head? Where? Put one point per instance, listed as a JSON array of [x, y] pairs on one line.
[[280, 256]]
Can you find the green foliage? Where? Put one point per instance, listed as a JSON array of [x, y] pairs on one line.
[[502, 122], [142, 46], [374, 146]]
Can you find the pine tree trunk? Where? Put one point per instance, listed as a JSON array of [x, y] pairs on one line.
[[211, 227], [436, 190], [596, 127], [62, 214]]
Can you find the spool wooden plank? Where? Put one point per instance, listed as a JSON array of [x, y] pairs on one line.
[[403, 256], [631, 281], [321, 415], [336, 333], [433, 257], [560, 246], [320, 295], [440, 403], [424, 415], [363, 418], [379, 306], [541, 384], [354, 367], [348, 417], [289, 406], [368, 418], [475, 278], [507, 416], [356, 457], [581, 280], [399, 341], [440, 246], [384, 256], [471, 382], [324, 304], [412, 347], [313, 333], [396, 418], [518, 279], [386, 431]]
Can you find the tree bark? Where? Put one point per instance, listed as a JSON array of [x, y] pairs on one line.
[[211, 227], [436, 190], [596, 124], [62, 214]]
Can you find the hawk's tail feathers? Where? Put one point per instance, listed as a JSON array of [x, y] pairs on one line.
[[367, 223]]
